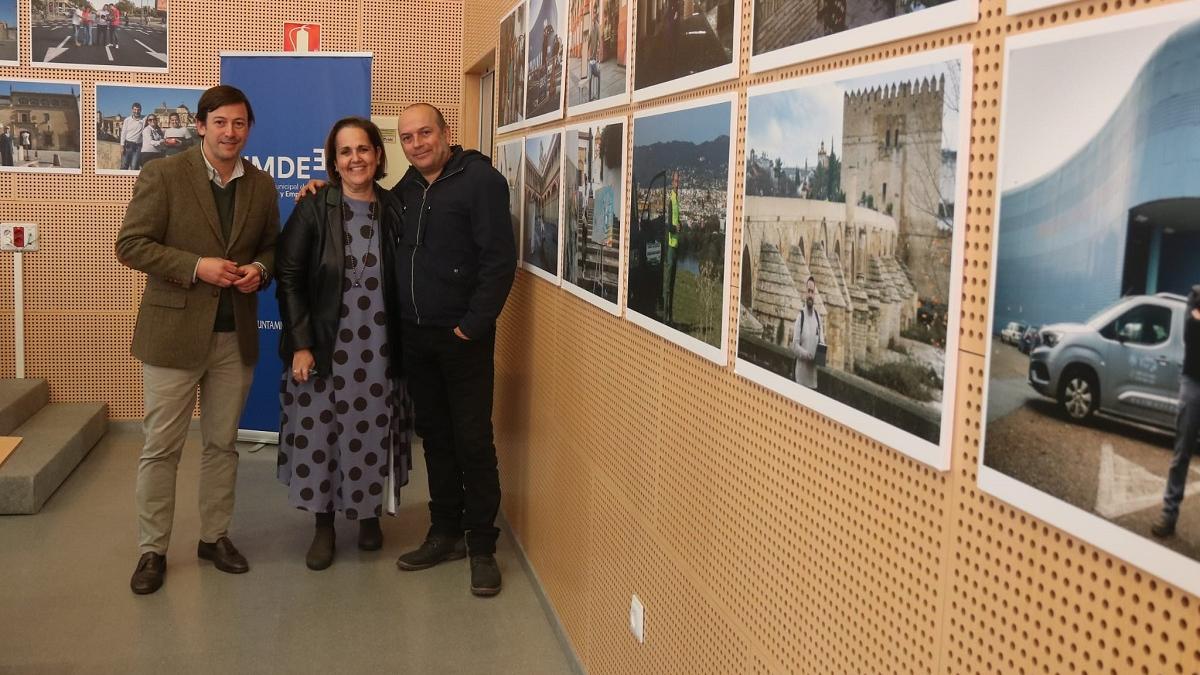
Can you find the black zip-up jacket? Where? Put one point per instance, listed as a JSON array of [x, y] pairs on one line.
[[310, 268], [456, 256]]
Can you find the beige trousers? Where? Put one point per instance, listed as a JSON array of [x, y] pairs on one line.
[[170, 395]]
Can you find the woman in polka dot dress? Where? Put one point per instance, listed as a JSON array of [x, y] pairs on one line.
[[346, 422]]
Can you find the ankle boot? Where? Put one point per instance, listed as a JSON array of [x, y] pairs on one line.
[[320, 553], [370, 537]]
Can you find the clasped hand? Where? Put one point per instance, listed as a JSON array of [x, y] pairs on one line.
[[225, 273]]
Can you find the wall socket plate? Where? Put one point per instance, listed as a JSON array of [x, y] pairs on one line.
[[18, 237], [637, 619]]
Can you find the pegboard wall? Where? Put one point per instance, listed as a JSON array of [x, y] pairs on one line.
[[765, 538], [80, 303]]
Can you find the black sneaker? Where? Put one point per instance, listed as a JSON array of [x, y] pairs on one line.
[[1164, 528], [435, 549], [485, 575]]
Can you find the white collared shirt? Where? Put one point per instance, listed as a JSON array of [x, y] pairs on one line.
[[215, 176]]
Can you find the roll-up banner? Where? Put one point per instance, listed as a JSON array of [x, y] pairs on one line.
[[296, 99]]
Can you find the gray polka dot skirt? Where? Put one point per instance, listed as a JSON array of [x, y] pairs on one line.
[[345, 435]]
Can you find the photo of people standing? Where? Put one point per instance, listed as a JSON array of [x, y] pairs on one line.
[[593, 171], [125, 35], [847, 248], [597, 58], [41, 126], [543, 202], [138, 124], [678, 224]]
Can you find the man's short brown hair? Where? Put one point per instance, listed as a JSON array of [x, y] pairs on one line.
[[219, 96]]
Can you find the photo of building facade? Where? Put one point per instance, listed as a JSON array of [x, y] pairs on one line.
[[1097, 237], [508, 161], [41, 126], [544, 59], [543, 204]]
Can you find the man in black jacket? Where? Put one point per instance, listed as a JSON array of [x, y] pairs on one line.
[[455, 264]]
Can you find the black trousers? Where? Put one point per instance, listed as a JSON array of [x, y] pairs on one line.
[[451, 382]]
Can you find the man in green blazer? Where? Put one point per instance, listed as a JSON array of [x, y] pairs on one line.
[[202, 226]]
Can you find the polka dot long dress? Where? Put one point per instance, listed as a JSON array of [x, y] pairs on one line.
[[345, 435]]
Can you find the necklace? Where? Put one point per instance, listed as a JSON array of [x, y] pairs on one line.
[[351, 260]]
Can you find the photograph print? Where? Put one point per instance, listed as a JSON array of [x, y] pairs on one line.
[[1092, 398], [680, 206], [597, 54], [41, 126], [509, 162], [683, 44], [8, 33], [849, 278], [510, 71], [137, 124], [126, 35], [790, 31], [593, 176], [543, 205], [545, 61]]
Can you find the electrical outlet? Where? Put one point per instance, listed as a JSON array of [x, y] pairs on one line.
[[18, 237], [637, 619]]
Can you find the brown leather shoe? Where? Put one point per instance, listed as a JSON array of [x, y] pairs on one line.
[[148, 577], [224, 556]]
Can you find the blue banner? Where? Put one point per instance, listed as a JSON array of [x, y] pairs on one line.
[[296, 99]]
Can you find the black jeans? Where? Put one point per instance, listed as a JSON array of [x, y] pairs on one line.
[[451, 381]]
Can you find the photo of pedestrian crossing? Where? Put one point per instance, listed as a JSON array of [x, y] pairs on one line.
[[129, 35]]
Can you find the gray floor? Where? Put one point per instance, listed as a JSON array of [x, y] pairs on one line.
[[65, 604]]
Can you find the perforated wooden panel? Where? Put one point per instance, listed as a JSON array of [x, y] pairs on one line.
[[765, 538], [80, 303]]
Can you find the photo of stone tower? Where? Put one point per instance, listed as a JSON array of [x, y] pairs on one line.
[[893, 160]]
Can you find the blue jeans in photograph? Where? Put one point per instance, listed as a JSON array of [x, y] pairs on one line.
[[1187, 428], [131, 155]]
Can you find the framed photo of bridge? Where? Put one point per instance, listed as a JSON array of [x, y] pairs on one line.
[[682, 203], [593, 211], [852, 223]]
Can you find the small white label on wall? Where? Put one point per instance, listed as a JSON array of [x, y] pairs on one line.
[[637, 619]]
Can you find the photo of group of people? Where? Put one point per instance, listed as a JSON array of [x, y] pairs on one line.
[[124, 35], [679, 223], [598, 53], [593, 173], [1092, 399], [9, 32], [137, 124], [543, 205], [41, 126], [789, 31], [848, 285]]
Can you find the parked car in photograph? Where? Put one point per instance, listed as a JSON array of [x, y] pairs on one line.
[[1125, 360], [1012, 332], [1029, 339]]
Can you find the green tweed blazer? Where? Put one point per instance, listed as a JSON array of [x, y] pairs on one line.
[[170, 224]]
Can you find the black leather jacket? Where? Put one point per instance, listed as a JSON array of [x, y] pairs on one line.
[[310, 266]]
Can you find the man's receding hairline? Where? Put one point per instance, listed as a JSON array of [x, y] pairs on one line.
[[438, 118]]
